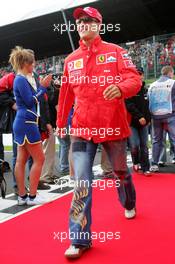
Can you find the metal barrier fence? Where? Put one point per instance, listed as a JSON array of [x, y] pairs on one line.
[[150, 53]]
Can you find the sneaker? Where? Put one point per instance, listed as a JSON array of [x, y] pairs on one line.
[[75, 251], [55, 177], [130, 214], [49, 181], [22, 201], [64, 173], [173, 161], [37, 200], [154, 168], [161, 164], [43, 186], [147, 173]]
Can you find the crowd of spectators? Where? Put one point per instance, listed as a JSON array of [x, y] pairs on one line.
[[42, 66], [143, 53]]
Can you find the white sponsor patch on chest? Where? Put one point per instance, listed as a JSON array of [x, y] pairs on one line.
[[106, 58]]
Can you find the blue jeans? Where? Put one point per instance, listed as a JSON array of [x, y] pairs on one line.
[[158, 136], [83, 153], [139, 149], [163, 154], [64, 153]]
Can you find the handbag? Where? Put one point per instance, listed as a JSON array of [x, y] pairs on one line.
[[3, 184], [6, 120]]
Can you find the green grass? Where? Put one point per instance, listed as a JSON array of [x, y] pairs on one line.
[[149, 81], [8, 148]]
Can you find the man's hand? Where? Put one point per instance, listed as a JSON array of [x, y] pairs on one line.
[[112, 92], [14, 107], [49, 129], [142, 121]]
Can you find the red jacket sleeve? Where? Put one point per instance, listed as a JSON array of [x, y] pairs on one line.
[[6, 82], [130, 82], [65, 100]]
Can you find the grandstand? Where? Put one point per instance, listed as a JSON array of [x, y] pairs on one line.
[[150, 53], [147, 34]]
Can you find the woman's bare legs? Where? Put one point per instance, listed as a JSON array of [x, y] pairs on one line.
[[36, 152], [22, 157]]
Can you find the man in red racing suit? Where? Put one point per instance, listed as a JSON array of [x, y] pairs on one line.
[[98, 76]]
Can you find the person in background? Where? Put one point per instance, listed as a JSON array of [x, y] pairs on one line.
[[7, 111], [65, 166], [25, 126], [48, 170], [138, 108], [161, 95], [7, 99], [64, 148], [106, 165], [163, 153]]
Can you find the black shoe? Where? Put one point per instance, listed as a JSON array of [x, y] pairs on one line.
[[49, 181], [161, 164], [108, 175], [64, 173], [147, 173], [104, 175], [54, 177], [43, 186]]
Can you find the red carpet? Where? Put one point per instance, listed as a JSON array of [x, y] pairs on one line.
[[148, 239]]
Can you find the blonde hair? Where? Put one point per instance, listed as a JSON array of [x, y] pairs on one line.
[[166, 70], [19, 56]]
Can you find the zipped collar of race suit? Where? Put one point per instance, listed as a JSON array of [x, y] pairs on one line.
[[97, 40]]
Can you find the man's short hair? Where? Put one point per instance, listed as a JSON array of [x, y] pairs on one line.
[[167, 69]]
